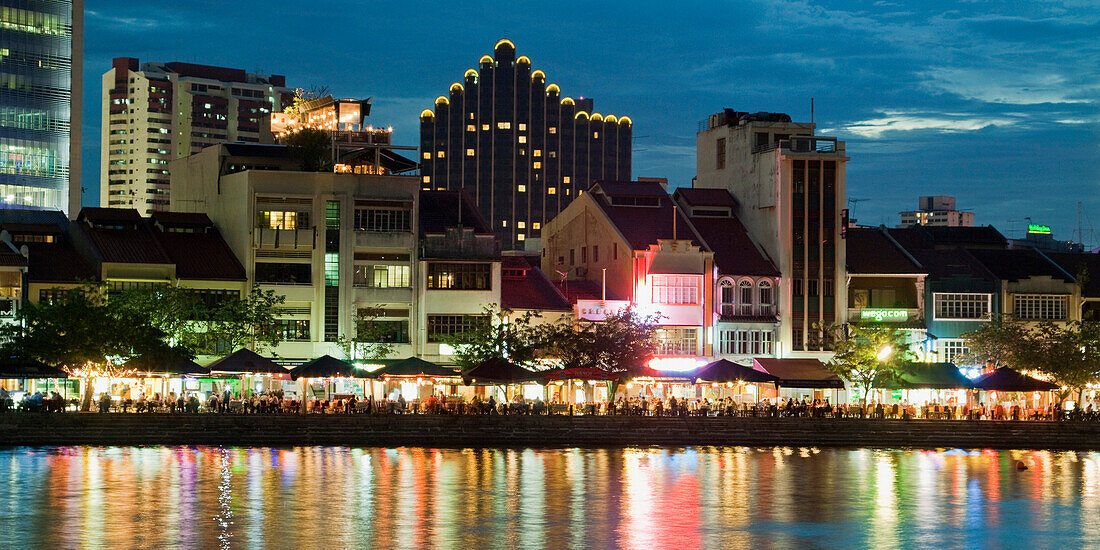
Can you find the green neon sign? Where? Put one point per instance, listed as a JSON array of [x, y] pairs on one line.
[[881, 315], [1040, 229]]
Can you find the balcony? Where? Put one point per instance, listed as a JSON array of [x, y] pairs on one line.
[[383, 295], [801, 145], [283, 239], [377, 239]]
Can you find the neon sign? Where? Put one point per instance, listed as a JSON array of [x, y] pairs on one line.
[[883, 315], [676, 364], [1038, 229]]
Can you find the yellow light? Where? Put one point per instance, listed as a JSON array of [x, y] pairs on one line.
[[470, 72], [504, 41], [426, 113], [580, 114], [456, 85], [625, 120], [485, 59], [553, 88], [568, 101], [597, 116], [524, 59], [443, 100], [538, 74], [609, 119]]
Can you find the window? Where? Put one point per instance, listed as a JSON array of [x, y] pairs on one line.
[[565, 179], [521, 188], [388, 331], [537, 153], [812, 286], [469, 152], [521, 237], [521, 225], [796, 287], [427, 155], [441, 327], [456, 276], [522, 139], [504, 126], [440, 154], [572, 257], [595, 253], [584, 254], [951, 348], [678, 341], [552, 129], [484, 127], [522, 127], [672, 289], [381, 276], [536, 225], [281, 273], [382, 220], [827, 287], [1048, 307], [471, 127], [725, 297], [293, 330], [720, 154], [596, 135], [746, 288], [426, 179], [551, 190], [614, 251], [277, 219], [972, 306], [536, 165]]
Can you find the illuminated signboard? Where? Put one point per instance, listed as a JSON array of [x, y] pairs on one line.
[[883, 315], [1038, 229]]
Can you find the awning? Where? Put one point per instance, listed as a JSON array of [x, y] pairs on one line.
[[578, 373], [935, 376], [178, 365], [327, 366], [24, 367], [246, 361], [1006, 379], [799, 373], [497, 371], [724, 370], [414, 367]]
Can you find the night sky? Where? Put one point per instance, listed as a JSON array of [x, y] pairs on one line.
[[997, 103]]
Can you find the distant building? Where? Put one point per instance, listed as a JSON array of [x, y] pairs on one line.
[[157, 112], [937, 211], [1041, 237], [41, 76], [789, 186], [519, 148]]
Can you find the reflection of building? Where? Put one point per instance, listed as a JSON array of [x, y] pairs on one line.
[[520, 149], [41, 72], [937, 211], [157, 112], [790, 191], [357, 148]]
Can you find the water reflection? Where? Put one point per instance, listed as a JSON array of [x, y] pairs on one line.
[[185, 497]]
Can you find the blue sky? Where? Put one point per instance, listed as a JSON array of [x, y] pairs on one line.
[[997, 103]]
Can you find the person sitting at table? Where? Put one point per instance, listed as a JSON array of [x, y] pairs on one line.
[[104, 402]]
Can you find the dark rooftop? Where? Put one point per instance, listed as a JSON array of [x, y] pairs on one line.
[[256, 150], [201, 255], [872, 251], [735, 253], [705, 197], [56, 262], [1084, 267], [1020, 263], [523, 286], [944, 264], [642, 212], [120, 235], [440, 210], [582, 289]]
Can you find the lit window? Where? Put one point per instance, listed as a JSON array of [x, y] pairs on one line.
[[567, 191], [537, 165], [523, 139], [427, 179], [565, 179], [596, 135], [536, 226], [553, 129], [484, 127], [522, 127], [552, 191], [538, 152], [504, 223], [471, 116], [469, 152], [504, 126], [520, 237], [439, 154], [521, 225], [521, 188], [471, 128], [668, 289], [427, 155]]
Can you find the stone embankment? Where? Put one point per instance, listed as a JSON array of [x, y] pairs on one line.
[[23, 429]]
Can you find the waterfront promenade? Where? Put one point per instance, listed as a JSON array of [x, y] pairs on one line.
[[535, 431]]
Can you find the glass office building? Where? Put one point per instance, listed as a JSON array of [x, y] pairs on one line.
[[40, 61]]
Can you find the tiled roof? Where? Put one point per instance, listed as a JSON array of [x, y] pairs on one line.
[[642, 226], [109, 215], [706, 197], [921, 236], [1081, 264], [735, 253], [56, 262], [182, 219], [202, 256], [944, 264], [132, 243], [1020, 263], [439, 211], [532, 290], [10, 256], [871, 251], [581, 289]]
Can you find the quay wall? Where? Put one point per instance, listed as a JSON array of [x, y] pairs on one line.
[[37, 429]]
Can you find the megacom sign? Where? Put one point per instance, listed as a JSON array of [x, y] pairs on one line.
[[884, 315]]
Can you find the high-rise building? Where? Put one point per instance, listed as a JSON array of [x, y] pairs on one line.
[[789, 188], [157, 112], [517, 146], [41, 56], [937, 211]]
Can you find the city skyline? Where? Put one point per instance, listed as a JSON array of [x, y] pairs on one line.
[[963, 119]]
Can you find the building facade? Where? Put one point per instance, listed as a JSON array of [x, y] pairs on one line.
[[790, 190], [937, 211], [41, 72], [153, 113], [517, 146]]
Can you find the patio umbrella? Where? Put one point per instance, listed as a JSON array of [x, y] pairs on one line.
[[326, 366], [245, 360], [1006, 379], [578, 373], [414, 367], [178, 365], [723, 370], [934, 376], [497, 370]]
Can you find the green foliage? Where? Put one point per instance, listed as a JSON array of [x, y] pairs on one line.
[[372, 337], [1002, 342], [623, 342], [246, 322], [171, 309], [312, 148], [502, 334], [1069, 353], [869, 354]]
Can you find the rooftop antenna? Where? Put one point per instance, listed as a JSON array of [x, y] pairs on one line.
[[674, 222], [812, 112]]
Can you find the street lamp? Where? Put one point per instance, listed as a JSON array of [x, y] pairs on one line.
[[885, 352]]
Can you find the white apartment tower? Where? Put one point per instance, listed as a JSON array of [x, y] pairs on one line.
[[158, 112], [790, 190]]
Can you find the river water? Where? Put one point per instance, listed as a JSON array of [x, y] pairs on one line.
[[706, 497]]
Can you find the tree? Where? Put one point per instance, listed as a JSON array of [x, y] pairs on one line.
[[312, 147], [499, 334], [623, 342], [1002, 342], [869, 354], [1069, 353], [373, 339], [172, 309], [243, 322]]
